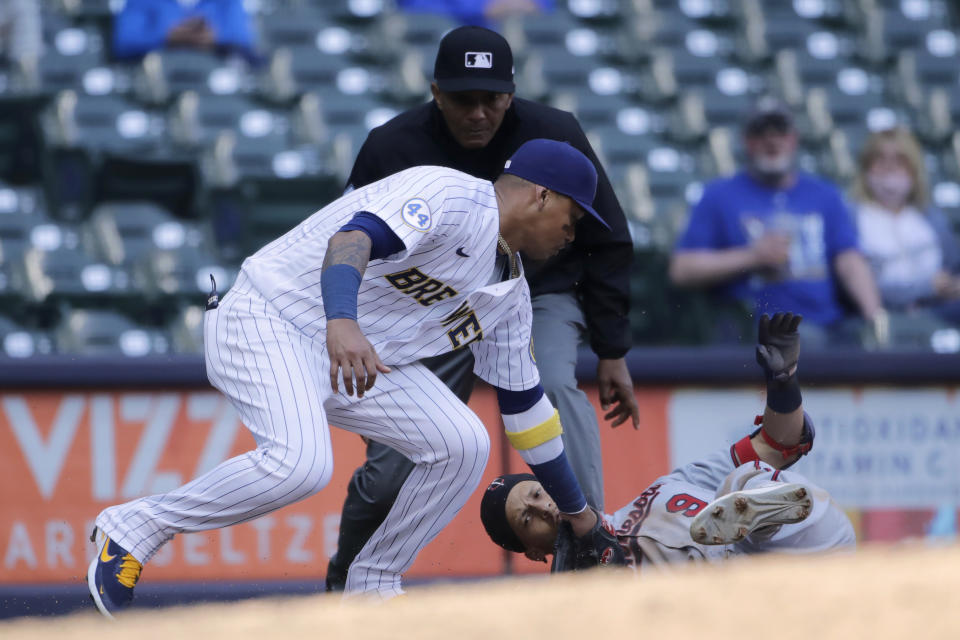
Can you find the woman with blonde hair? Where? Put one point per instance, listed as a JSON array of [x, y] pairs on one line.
[[913, 253]]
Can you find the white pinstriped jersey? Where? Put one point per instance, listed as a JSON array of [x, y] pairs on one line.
[[434, 296]]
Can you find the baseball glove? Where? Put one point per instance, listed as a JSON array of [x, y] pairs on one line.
[[598, 548]]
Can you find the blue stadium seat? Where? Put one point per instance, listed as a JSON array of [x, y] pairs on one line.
[[180, 273], [595, 10], [196, 120], [101, 123], [95, 332], [163, 75], [120, 232], [17, 341], [617, 147], [287, 27], [56, 268], [186, 330]]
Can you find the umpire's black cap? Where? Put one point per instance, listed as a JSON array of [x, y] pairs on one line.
[[474, 59]]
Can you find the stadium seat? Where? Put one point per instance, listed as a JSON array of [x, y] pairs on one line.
[[724, 109], [21, 211], [287, 27], [233, 157], [938, 61], [352, 11], [257, 210], [695, 70], [526, 32], [27, 200], [618, 147], [664, 314], [298, 69], [595, 10], [669, 172], [66, 272], [592, 110], [341, 110], [120, 232], [163, 75], [69, 52], [87, 10], [58, 72], [783, 29], [835, 14], [94, 332], [17, 341], [186, 330], [101, 123], [707, 11], [179, 273], [854, 94], [906, 28], [16, 229], [562, 68], [170, 181], [196, 120]]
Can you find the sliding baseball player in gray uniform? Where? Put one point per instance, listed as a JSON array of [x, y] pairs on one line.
[[414, 265], [736, 501]]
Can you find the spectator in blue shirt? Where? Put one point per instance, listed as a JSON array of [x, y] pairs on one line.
[[146, 25], [776, 237]]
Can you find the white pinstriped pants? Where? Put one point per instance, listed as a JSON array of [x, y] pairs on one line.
[[279, 382]]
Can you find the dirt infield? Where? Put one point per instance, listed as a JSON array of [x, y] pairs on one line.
[[876, 594]]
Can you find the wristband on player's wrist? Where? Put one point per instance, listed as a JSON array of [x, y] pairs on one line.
[[783, 396], [339, 285]]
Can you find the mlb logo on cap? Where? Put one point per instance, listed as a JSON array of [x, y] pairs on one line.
[[473, 59], [478, 60]]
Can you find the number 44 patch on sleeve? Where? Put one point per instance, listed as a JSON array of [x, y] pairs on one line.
[[416, 213]]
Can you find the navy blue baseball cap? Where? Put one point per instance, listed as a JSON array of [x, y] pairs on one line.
[[560, 167]]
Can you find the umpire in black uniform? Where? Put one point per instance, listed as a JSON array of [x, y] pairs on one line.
[[474, 124]]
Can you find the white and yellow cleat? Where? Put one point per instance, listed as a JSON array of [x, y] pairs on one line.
[[731, 518]]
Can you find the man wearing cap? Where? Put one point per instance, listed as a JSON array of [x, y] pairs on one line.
[[741, 499], [778, 238], [418, 264], [473, 124]]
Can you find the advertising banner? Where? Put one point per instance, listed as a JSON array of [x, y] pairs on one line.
[[890, 456]]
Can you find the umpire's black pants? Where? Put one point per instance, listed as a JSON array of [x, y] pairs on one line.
[[374, 486]]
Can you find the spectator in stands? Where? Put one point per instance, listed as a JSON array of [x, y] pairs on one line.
[[778, 238], [477, 12], [208, 25], [21, 40], [913, 252]]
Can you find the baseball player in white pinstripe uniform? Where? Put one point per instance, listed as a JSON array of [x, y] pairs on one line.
[[417, 264]]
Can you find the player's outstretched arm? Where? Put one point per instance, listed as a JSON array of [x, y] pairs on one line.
[[348, 253], [778, 353], [533, 429]]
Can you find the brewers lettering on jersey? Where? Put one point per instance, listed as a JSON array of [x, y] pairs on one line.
[[428, 279]]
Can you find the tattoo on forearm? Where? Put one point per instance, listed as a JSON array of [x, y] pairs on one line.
[[348, 247]]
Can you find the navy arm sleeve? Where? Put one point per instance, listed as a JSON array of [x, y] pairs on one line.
[[383, 240]]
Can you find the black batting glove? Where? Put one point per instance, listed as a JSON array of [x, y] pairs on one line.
[[778, 345]]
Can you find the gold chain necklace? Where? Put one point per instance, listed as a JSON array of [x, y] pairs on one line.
[[514, 272]]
